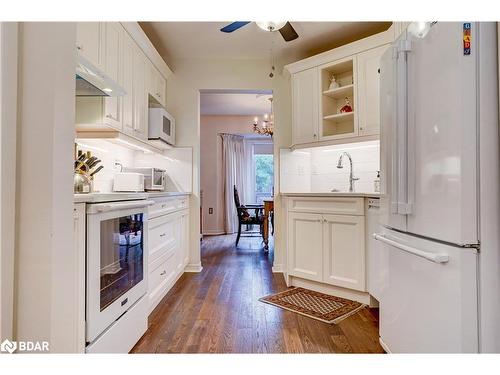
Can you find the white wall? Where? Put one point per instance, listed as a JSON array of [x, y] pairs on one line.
[[45, 262], [183, 101], [314, 170]]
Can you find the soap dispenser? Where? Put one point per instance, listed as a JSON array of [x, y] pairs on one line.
[[376, 183]]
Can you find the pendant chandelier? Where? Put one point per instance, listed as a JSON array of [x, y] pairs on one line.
[[267, 126]]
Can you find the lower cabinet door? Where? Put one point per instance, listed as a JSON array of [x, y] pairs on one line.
[[305, 245], [344, 251]]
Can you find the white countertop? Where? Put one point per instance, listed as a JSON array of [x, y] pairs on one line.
[[333, 194], [113, 197]]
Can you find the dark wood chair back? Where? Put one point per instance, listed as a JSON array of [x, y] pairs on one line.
[[236, 197]]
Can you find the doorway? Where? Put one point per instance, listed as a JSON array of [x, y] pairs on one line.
[[236, 152]]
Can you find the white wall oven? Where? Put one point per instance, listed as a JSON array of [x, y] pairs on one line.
[[116, 260]]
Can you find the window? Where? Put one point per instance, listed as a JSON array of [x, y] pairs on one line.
[[264, 176]]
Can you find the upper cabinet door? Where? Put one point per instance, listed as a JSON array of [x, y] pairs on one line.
[[161, 89], [127, 81], [369, 90], [90, 42], [305, 106], [157, 85], [140, 95], [112, 105]]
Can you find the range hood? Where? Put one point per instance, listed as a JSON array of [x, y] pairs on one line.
[[91, 81]]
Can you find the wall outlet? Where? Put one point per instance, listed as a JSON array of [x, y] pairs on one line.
[[210, 211]]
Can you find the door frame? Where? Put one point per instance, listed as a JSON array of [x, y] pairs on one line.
[[8, 140]]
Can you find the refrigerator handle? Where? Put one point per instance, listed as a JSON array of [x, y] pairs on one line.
[[403, 206], [433, 257]]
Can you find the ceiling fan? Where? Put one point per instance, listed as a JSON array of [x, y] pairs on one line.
[[285, 28]]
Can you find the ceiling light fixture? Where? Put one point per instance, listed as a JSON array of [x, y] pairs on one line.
[[267, 125], [271, 25]]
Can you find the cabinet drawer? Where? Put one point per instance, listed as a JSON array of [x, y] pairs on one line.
[[167, 205], [162, 236], [330, 205], [160, 279]]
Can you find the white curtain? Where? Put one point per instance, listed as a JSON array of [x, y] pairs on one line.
[[234, 172]]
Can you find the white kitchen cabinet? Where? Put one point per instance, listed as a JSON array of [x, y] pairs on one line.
[[140, 95], [326, 241], [157, 85], [316, 117], [120, 52], [79, 277], [305, 246], [168, 245], [305, 106], [101, 112], [112, 105], [368, 90], [90, 42], [344, 251], [127, 81]]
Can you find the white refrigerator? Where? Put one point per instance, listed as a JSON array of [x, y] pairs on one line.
[[439, 190]]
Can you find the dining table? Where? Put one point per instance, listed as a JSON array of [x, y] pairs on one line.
[[268, 210]]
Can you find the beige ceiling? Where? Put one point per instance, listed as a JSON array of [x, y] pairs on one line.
[[235, 103], [201, 40]]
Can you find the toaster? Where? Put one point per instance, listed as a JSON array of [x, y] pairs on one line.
[[128, 182]]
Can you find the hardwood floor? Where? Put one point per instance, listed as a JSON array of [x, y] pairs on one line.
[[217, 311]]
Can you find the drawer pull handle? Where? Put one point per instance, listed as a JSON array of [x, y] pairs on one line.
[[163, 206], [163, 273], [162, 235]]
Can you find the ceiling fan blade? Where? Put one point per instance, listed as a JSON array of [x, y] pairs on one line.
[[234, 26], [288, 32]]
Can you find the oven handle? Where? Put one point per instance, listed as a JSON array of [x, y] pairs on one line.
[[115, 206]]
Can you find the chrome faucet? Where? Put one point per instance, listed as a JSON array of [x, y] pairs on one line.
[[351, 178]]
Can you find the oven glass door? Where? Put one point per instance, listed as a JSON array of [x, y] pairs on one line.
[[116, 258], [122, 256]]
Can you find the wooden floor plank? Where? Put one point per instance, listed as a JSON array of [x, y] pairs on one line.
[[218, 311]]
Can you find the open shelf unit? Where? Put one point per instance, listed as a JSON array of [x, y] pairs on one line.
[[333, 123]]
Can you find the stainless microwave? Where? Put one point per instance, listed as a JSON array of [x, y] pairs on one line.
[[154, 178], [161, 126]]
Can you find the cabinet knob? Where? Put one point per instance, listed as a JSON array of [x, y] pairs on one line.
[[314, 135], [163, 273], [79, 47]]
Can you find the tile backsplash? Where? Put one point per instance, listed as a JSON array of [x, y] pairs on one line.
[[314, 170], [177, 162]]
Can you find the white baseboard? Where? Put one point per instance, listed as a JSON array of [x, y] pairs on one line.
[[193, 267], [354, 295], [277, 268]]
